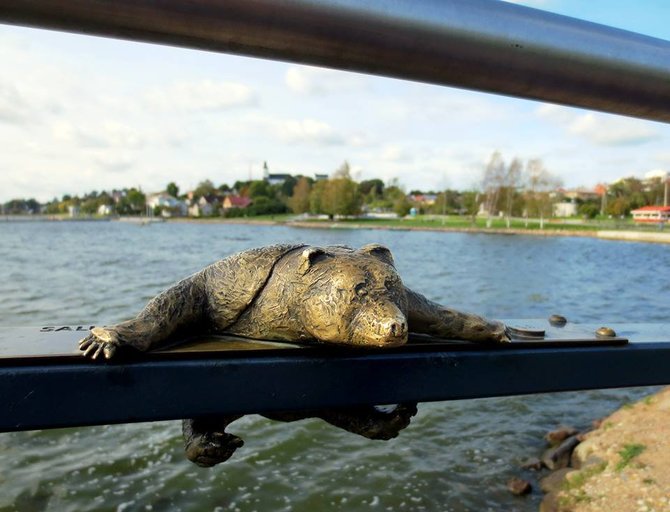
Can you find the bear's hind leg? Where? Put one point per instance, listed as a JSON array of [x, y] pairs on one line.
[[370, 421], [427, 317]]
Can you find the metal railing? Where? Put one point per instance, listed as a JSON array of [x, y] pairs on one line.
[[476, 44]]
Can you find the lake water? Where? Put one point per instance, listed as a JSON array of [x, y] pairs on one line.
[[456, 456]]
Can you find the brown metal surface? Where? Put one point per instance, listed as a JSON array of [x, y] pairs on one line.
[[52, 344]]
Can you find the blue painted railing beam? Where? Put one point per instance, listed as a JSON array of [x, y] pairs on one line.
[[61, 390]]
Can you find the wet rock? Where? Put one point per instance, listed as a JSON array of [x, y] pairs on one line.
[[553, 481], [559, 456], [550, 503], [519, 486], [560, 434], [533, 463]]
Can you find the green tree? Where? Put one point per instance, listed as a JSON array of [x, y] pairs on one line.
[[629, 194], [374, 188], [402, 206], [470, 200], [336, 196], [266, 206], [286, 188], [446, 202], [239, 186], [316, 197], [172, 189], [299, 201], [619, 206], [204, 188], [589, 209], [260, 188], [132, 203]]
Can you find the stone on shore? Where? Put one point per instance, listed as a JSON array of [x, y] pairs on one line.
[[519, 486], [533, 463], [554, 481], [560, 434], [559, 456]]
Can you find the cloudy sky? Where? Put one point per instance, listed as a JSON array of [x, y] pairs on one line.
[[80, 113]]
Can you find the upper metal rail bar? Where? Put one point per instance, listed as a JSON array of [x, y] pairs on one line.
[[475, 44]]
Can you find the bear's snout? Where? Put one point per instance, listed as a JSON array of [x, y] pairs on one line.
[[381, 327], [396, 328]]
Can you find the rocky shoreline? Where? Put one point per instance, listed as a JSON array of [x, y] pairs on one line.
[[621, 465]]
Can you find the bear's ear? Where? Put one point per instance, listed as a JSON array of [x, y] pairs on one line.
[[380, 252], [309, 257]]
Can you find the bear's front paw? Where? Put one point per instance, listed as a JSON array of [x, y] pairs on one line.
[[210, 448], [101, 341]]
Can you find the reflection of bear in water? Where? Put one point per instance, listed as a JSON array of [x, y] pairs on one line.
[[294, 293]]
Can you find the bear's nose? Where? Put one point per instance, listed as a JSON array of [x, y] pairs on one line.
[[395, 330]]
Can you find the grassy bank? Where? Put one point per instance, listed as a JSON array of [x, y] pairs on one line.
[[604, 229], [620, 229]]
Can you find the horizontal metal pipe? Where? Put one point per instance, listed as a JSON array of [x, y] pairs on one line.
[[476, 44]]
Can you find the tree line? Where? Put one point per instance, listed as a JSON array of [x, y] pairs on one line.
[[514, 188]]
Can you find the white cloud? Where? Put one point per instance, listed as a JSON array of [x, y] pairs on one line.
[[114, 161], [202, 95], [108, 134], [318, 81], [394, 153], [612, 131], [452, 106], [600, 129], [308, 131], [12, 106]]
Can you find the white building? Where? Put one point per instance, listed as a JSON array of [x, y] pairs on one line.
[[170, 206], [565, 209], [105, 209]]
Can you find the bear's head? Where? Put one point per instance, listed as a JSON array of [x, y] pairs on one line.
[[353, 297]]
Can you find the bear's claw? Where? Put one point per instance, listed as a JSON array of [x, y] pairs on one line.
[[99, 342]]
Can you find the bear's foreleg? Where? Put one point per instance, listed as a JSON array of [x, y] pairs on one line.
[[205, 441], [181, 306], [427, 317]]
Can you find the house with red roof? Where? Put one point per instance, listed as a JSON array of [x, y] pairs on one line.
[[652, 214], [236, 202]]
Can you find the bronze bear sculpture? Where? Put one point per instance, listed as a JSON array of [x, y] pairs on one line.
[[295, 293]]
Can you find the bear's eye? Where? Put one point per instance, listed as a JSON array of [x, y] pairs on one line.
[[360, 290], [389, 283]]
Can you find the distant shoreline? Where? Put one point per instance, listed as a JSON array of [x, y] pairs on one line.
[[602, 234], [610, 234]]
